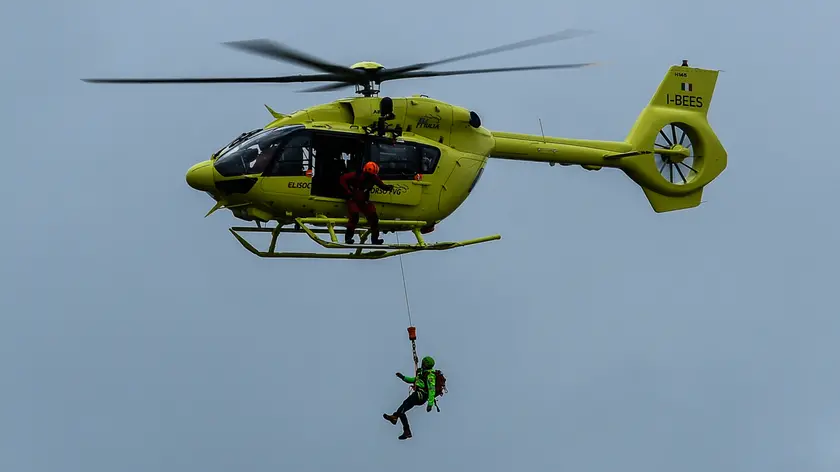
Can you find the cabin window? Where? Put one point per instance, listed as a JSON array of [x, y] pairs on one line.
[[429, 157], [402, 161]]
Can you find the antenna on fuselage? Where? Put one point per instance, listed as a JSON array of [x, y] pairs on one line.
[[542, 132], [541, 129]]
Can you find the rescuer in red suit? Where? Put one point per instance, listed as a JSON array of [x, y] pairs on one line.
[[358, 186]]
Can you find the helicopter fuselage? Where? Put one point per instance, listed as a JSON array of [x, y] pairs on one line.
[[433, 154]]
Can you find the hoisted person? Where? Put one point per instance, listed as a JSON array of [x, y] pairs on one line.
[[428, 384]]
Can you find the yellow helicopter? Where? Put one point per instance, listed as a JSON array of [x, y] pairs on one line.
[[432, 153]]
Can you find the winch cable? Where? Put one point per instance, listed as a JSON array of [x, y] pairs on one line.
[[412, 331]]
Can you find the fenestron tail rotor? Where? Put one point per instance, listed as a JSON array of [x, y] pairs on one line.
[[366, 76], [674, 154]]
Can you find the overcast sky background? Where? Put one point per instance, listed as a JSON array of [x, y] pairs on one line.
[[595, 335]]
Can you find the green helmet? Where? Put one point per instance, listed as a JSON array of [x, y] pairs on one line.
[[427, 362]]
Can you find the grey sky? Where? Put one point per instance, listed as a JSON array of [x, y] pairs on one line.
[[595, 336]]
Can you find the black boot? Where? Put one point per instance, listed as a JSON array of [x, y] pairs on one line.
[[375, 239], [405, 435]]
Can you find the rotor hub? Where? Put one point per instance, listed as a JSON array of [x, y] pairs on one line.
[[678, 153], [367, 65]]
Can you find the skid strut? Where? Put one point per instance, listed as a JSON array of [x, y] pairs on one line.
[[313, 226]]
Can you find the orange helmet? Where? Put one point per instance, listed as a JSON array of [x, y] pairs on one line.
[[371, 168]]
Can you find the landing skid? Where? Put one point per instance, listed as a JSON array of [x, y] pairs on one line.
[[323, 225]]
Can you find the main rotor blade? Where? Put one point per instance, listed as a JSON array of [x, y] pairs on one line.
[[223, 80], [417, 74], [409, 75], [280, 52], [558, 36]]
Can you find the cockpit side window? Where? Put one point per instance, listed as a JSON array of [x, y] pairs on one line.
[[295, 159], [253, 155]]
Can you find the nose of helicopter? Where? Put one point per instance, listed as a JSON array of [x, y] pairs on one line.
[[200, 177]]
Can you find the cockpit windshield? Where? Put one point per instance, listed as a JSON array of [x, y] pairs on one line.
[[253, 155]]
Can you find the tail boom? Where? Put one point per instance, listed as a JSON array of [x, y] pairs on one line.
[[671, 133], [564, 151]]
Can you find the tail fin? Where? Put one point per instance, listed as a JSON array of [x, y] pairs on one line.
[[677, 153]]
